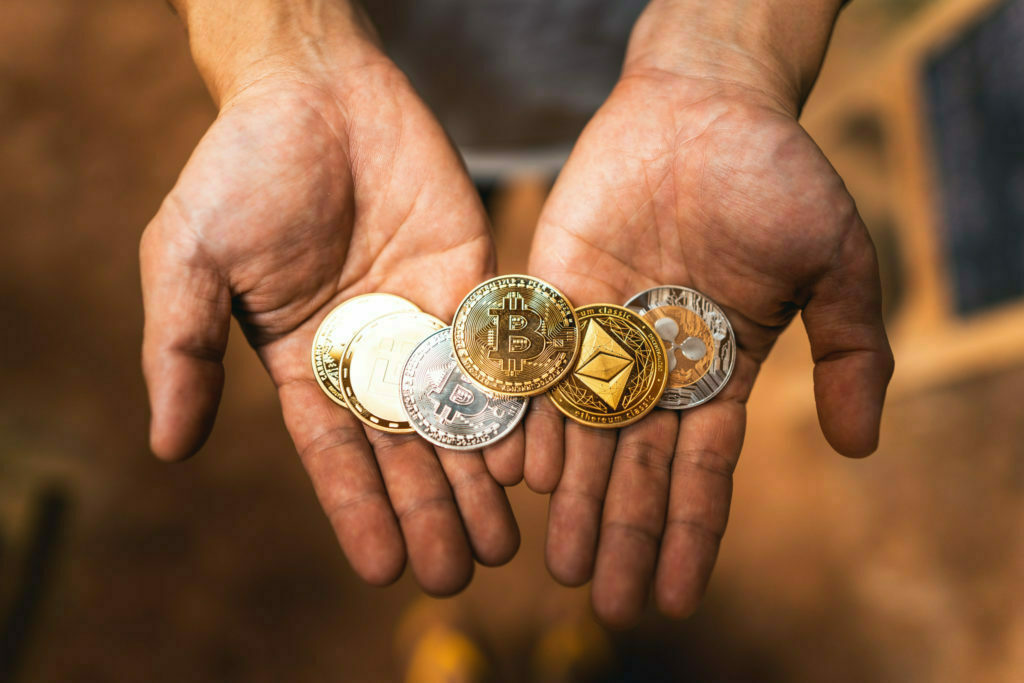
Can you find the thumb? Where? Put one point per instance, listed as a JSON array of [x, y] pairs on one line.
[[188, 311], [852, 359]]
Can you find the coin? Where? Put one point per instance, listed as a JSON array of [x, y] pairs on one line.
[[445, 407], [371, 369], [621, 371], [698, 339], [337, 330], [515, 335]]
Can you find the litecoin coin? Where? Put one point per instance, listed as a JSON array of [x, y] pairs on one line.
[[515, 335], [371, 369], [445, 407], [337, 330], [698, 339], [621, 371]]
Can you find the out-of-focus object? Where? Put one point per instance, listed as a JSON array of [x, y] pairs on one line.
[[338, 328], [930, 141], [371, 369]]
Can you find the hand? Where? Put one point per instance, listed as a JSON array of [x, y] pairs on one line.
[[713, 185], [317, 182]]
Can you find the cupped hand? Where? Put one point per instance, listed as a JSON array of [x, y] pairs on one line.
[[715, 186], [308, 190]]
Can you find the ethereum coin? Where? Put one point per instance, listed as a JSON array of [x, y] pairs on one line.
[[698, 339], [445, 407], [371, 369], [620, 373], [337, 330], [515, 335]]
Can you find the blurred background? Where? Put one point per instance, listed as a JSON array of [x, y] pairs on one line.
[[907, 566]]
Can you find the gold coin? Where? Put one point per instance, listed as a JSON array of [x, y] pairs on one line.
[[371, 369], [515, 335], [337, 330], [621, 371]]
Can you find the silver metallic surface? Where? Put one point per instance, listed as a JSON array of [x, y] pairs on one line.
[[695, 377], [445, 407]]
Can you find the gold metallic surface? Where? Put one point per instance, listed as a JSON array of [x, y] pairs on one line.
[[684, 370], [337, 330], [371, 369], [621, 371], [515, 335]]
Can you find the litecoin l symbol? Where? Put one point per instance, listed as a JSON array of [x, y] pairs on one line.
[[456, 397], [518, 338]]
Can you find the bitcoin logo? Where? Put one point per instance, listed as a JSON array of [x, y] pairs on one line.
[[457, 397], [519, 334], [443, 405], [515, 336]]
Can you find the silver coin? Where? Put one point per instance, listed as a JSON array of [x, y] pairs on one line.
[[699, 342], [445, 407]]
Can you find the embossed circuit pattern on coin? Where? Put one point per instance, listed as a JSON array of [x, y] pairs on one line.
[[337, 330], [620, 373], [371, 369], [445, 407], [515, 335], [698, 340]]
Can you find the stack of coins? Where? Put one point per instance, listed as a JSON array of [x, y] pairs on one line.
[[467, 386]]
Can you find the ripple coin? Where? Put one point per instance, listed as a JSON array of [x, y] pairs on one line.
[[621, 371], [371, 369], [337, 330], [445, 407], [698, 339], [515, 335]]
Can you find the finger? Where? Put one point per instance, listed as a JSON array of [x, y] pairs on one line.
[[545, 431], [574, 512], [634, 518], [505, 459], [710, 438], [852, 359], [483, 505], [188, 312], [435, 539], [338, 459]]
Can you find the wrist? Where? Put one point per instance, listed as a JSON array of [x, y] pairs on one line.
[[235, 43], [772, 47]]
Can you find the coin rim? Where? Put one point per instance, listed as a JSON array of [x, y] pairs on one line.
[[732, 338], [357, 408], [451, 447], [552, 382], [664, 378], [328, 389]]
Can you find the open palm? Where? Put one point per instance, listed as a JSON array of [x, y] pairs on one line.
[[304, 193], [707, 185]]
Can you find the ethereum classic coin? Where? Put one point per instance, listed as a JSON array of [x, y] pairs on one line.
[[337, 330], [371, 369], [515, 335], [698, 339], [620, 373], [445, 407]]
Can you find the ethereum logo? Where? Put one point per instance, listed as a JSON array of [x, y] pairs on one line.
[[604, 365]]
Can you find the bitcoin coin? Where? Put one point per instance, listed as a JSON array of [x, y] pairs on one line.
[[515, 335], [337, 330], [445, 407], [698, 339], [620, 373], [371, 369]]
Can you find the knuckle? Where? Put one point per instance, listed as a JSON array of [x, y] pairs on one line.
[[705, 460]]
